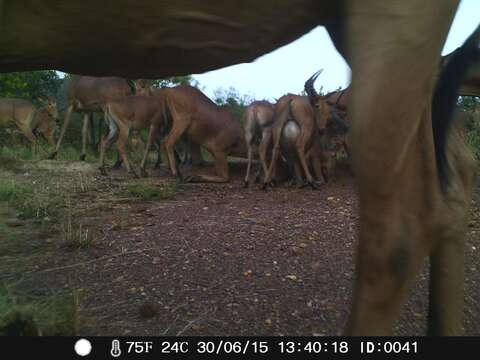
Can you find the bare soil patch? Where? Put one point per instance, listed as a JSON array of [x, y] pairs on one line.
[[217, 259]]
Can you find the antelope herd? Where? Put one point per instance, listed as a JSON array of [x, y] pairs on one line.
[[303, 129], [414, 175]]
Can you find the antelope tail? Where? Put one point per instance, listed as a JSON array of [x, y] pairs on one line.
[[445, 98]]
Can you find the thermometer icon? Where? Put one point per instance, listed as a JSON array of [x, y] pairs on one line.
[[115, 352]]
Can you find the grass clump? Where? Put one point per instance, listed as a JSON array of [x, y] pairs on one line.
[[12, 192], [152, 192], [30, 204], [55, 315]]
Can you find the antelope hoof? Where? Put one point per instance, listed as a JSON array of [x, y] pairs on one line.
[[52, 156], [245, 184], [180, 178], [82, 157], [117, 165], [314, 185]]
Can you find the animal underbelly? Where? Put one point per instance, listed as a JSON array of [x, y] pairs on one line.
[[175, 37]]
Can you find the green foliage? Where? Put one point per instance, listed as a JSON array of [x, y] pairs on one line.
[[31, 201], [232, 100], [12, 192], [152, 192], [174, 81], [471, 106], [55, 315], [29, 85], [469, 103]]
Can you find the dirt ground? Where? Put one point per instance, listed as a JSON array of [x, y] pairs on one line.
[[219, 259]]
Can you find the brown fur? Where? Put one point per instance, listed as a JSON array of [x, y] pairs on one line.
[[88, 95], [133, 112], [390, 47], [28, 119], [310, 119], [205, 124], [258, 121]]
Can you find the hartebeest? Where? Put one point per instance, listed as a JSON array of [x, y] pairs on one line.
[[134, 113], [29, 119], [258, 120], [310, 115], [88, 94], [205, 124], [405, 214], [321, 150]]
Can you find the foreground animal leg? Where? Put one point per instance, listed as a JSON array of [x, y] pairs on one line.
[[267, 184], [249, 166], [446, 286], [301, 146], [107, 142], [447, 258], [68, 115], [32, 138], [195, 153], [397, 180], [151, 136], [172, 138], [118, 162], [276, 136], [122, 148], [158, 163], [86, 123], [93, 142], [263, 149], [318, 169], [297, 170]]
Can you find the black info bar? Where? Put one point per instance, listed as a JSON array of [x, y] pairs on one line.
[[288, 347]]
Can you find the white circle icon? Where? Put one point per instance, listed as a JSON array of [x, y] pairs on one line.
[[83, 347]]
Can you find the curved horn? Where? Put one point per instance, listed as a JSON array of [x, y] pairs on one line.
[[309, 88]]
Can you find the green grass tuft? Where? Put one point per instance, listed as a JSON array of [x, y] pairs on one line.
[[152, 192], [55, 315]]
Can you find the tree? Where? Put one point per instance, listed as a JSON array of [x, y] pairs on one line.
[[175, 80], [231, 99], [30, 85]]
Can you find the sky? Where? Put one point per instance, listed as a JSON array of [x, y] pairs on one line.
[[286, 69]]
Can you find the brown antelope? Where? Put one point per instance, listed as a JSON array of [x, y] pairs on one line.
[[133, 113], [205, 124], [257, 123], [29, 119], [87, 94], [320, 154], [405, 212], [309, 115]]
